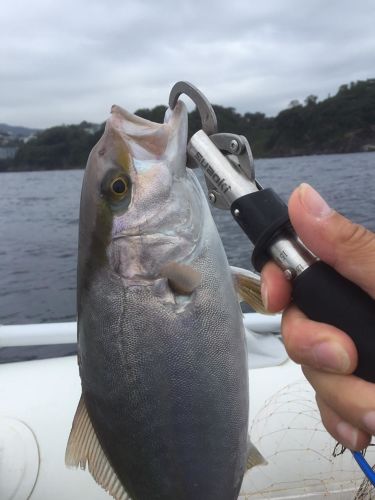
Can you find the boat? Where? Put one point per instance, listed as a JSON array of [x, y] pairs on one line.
[[39, 398]]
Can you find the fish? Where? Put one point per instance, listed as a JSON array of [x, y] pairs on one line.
[[161, 343]]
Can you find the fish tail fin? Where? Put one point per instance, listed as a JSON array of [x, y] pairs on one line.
[[84, 448]]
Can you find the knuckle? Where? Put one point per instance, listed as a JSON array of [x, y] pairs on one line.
[[354, 236], [355, 244]]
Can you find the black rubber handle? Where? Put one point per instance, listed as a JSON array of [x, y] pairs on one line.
[[326, 296], [320, 292]]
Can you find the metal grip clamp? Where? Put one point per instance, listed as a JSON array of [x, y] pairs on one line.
[[318, 290]]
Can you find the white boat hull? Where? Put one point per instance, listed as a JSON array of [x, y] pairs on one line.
[[39, 399]]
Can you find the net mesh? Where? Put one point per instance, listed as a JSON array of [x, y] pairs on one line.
[[303, 460]]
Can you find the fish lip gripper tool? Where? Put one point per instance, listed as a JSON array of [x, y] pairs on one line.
[[318, 290]]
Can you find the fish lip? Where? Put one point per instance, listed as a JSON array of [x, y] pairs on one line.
[[170, 115], [149, 140]]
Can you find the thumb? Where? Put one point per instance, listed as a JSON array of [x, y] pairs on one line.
[[348, 247]]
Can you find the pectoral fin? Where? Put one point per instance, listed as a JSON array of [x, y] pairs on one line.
[[254, 457], [247, 285], [183, 279], [84, 448]]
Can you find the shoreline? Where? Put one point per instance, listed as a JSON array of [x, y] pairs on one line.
[[302, 155]]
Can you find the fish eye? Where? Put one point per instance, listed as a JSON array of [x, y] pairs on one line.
[[116, 188], [119, 186]]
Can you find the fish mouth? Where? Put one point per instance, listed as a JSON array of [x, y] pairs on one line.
[[153, 157], [148, 140]]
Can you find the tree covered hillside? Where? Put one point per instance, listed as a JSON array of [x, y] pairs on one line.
[[66, 146], [342, 123]]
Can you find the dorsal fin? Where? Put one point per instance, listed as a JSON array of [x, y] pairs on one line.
[[84, 448], [183, 279], [247, 285]]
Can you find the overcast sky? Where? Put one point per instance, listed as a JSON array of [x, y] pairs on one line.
[[69, 60]]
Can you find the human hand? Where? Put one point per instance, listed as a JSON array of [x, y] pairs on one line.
[[328, 356]]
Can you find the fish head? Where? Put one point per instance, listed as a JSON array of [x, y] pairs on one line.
[[129, 204]]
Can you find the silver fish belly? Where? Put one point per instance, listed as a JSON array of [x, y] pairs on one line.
[[163, 367]]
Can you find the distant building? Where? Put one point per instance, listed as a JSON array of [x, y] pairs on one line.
[[8, 152], [31, 136]]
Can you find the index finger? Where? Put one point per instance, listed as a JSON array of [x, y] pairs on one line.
[[276, 289]]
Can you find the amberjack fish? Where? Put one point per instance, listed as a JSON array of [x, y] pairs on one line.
[[161, 343]]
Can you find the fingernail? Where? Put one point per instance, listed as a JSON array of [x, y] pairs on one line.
[[264, 294], [313, 202], [348, 434], [369, 421], [332, 357]]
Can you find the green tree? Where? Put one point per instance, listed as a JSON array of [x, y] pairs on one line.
[[311, 100]]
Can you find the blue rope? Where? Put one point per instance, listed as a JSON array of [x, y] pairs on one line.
[[366, 469]]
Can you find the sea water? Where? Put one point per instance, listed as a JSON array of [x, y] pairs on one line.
[[39, 226]]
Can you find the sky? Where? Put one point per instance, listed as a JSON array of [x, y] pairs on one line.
[[64, 61]]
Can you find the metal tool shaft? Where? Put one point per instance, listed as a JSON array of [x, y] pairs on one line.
[[291, 255], [227, 180]]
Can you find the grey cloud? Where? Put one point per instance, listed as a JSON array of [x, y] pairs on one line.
[[69, 61]]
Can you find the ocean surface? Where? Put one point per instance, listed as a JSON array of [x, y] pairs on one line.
[[39, 225]]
